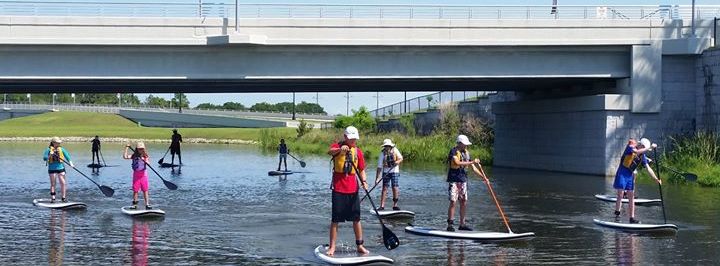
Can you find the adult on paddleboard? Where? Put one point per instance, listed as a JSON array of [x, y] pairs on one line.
[[175, 141], [140, 159], [347, 157], [389, 166], [55, 155], [95, 149], [283, 152], [459, 160], [633, 156]]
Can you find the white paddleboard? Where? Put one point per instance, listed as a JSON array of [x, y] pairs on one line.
[[141, 212], [472, 235], [611, 198], [59, 204], [280, 173], [639, 228], [344, 259], [400, 214]]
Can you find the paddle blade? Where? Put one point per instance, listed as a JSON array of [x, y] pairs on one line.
[[161, 160], [690, 177], [302, 164], [390, 240], [108, 191], [170, 185]]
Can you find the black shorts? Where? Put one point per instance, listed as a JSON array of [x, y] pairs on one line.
[[175, 150], [56, 171], [345, 207]]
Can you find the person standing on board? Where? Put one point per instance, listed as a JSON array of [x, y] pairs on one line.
[[175, 147], [632, 157], [389, 165], [459, 159], [56, 156], [347, 158], [140, 159], [95, 149], [283, 151]]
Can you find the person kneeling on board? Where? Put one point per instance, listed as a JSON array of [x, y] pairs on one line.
[[347, 159], [56, 156], [140, 159], [633, 156], [459, 159], [389, 165]]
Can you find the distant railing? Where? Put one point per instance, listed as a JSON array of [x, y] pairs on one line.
[[115, 109], [249, 10], [427, 102]]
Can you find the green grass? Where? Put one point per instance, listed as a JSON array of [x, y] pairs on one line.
[[698, 153], [80, 124]]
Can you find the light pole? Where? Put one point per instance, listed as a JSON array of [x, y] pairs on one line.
[[317, 98], [73, 96], [347, 105], [692, 21], [405, 103], [119, 105], [237, 23], [54, 94], [29, 96], [4, 98], [293, 107]]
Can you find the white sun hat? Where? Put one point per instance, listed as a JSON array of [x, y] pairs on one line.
[[464, 140], [388, 142], [352, 133], [645, 142]]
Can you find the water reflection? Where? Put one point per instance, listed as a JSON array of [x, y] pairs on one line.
[[140, 242], [455, 253], [56, 226], [626, 249]]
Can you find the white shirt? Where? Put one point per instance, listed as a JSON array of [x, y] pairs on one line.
[[381, 161]]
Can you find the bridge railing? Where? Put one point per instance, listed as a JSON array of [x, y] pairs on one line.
[[227, 9], [427, 102]]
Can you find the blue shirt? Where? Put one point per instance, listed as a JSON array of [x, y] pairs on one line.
[[56, 165], [629, 162]]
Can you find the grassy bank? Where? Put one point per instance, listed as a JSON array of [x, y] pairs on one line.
[[432, 149], [698, 153], [79, 124]]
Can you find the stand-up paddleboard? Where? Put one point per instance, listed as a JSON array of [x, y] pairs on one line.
[[280, 173], [142, 212], [471, 235], [59, 204], [168, 165], [390, 214], [611, 198], [638, 228], [345, 259], [95, 165]]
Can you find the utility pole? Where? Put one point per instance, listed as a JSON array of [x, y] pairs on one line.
[[180, 96], [54, 94], [29, 96], [237, 22], [317, 98], [73, 96], [405, 103], [347, 106], [293, 107], [119, 102], [692, 21]]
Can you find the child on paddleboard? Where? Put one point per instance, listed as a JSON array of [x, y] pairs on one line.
[[347, 159], [140, 159], [56, 156], [459, 159], [283, 151], [389, 166], [633, 156]]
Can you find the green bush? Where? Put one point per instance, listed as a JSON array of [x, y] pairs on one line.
[[697, 153], [408, 124], [361, 119], [304, 128]]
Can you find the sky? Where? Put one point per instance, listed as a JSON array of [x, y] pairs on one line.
[[335, 103]]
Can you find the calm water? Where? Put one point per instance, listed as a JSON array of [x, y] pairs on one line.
[[228, 211]]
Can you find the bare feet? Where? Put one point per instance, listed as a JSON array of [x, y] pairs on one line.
[[361, 249], [330, 251]]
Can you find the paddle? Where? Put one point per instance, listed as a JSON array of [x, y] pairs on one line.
[[108, 191], [662, 201], [168, 184], [688, 176], [302, 164], [390, 240], [163, 158], [102, 157], [487, 182], [371, 190]]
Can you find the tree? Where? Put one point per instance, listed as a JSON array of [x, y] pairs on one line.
[[262, 107], [208, 106], [309, 108], [156, 101], [180, 98], [360, 119], [234, 106]]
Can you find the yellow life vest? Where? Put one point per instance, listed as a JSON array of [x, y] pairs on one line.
[[60, 153], [339, 161], [631, 161], [460, 157]]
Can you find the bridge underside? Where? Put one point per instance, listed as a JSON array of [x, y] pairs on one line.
[[296, 85]]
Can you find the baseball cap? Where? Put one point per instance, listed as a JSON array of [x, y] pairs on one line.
[[464, 140]]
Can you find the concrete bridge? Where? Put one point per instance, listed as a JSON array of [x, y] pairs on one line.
[[585, 77]]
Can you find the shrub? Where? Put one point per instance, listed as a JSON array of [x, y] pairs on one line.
[[360, 119], [304, 128]]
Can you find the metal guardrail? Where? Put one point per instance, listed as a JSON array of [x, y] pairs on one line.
[[248, 10], [114, 109], [426, 102]]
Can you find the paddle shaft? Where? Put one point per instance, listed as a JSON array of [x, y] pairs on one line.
[[168, 184], [371, 190], [81, 173], [492, 193], [385, 229], [302, 164], [102, 157], [163, 158], [662, 201]]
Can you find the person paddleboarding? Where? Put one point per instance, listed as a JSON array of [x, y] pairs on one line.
[[140, 159], [56, 156], [633, 156], [459, 160], [283, 152], [175, 141], [346, 158], [95, 149], [389, 162]]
